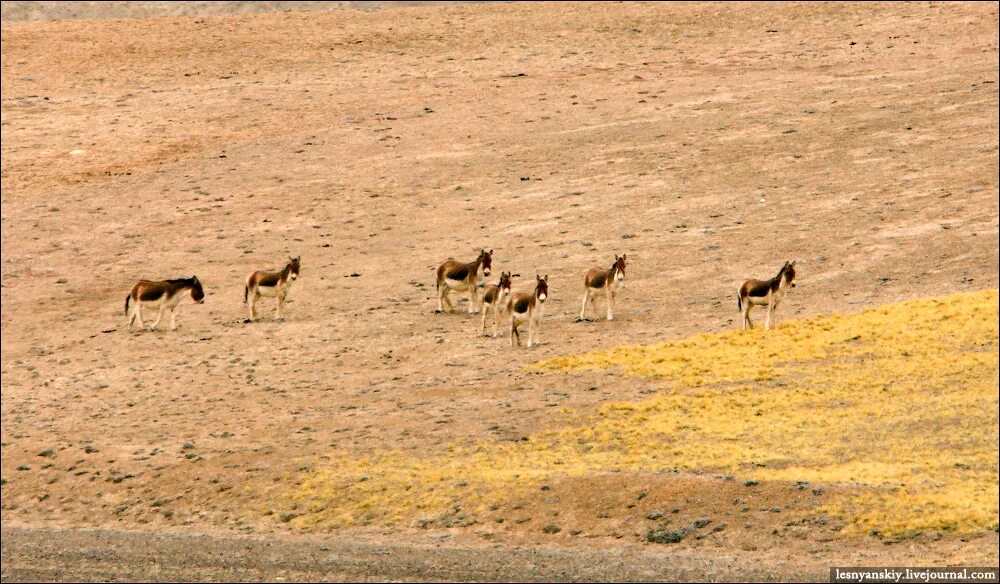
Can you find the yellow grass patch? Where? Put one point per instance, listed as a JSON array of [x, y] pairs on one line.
[[897, 403]]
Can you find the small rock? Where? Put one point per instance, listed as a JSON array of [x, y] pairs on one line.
[[665, 535]]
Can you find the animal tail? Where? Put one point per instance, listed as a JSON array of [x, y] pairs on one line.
[[246, 293], [739, 302], [127, 298]]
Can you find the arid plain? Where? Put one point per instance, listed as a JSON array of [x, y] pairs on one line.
[[366, 437]]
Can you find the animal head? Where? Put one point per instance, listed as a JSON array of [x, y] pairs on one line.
[[541, 287], [619, 268], [486, 258], [788, 273], [293, 268], [197, 292], [504, 282]]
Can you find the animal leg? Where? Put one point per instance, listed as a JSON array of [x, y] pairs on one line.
[[611, 303], [514, 333], [173, 318], [473, 296], [132, 313], [583, 309], [486, 308], [444, 303], [497, 315], [251, 303], [159, 314], [770, 312], [279, 313]]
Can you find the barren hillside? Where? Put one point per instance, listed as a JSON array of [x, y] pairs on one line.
[[710, 143]]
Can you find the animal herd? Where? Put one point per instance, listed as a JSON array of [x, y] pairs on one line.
[[521, 309]]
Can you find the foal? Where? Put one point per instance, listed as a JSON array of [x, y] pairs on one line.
[[765, 293], [611, 281], [164, 296], [452, 275], [495, 297], [272, 284], [528, 307]]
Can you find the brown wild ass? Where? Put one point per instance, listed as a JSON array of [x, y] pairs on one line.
[[452, 275], [597, 279], [162, 296], [495, 298], [524, 307], [271, 284], [765, 293]]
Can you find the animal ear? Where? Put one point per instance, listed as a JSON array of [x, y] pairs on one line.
[[546, 278], [491, 252], [623, 257]]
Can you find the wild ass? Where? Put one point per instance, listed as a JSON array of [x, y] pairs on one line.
[[495, 298], [162, 295], [452, 275], [528, 307], [271, 284], [765, 293], [597, 279]]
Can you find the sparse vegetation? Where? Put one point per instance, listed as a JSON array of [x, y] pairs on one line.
[[898, 403]]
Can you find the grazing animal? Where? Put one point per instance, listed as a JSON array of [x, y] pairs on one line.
[[765, 293], [597, 279], [524, 307], [163, 296], [452, 275], [495, 298], [271, 284]]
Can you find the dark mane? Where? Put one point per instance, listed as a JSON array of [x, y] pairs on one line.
[[182, 282]]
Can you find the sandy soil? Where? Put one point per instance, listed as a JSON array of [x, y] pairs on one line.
[[28, 10], [709, 143]]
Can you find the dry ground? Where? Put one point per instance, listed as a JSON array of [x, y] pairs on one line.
[[708, 142]]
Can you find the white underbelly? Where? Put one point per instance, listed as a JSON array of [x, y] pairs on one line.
[[269, 291], [459, 285]]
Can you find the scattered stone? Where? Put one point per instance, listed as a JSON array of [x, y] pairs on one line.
[[699, 523], [665, 535], [550, 529], [751, 484], [655, 515], [49, 453]]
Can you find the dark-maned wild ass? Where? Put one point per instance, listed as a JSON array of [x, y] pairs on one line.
[[161, 296], [452, 275], [765, 293], [495, 298], [271, 284], [597, 279], [524, 307]]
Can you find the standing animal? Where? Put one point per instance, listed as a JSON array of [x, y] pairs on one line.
[[495, 298], [765, 293], [597, 279], [162, 296], [452, 275], [271, 284], [524, 307]]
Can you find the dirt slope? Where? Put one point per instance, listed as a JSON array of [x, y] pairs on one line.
[[708, 142]]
